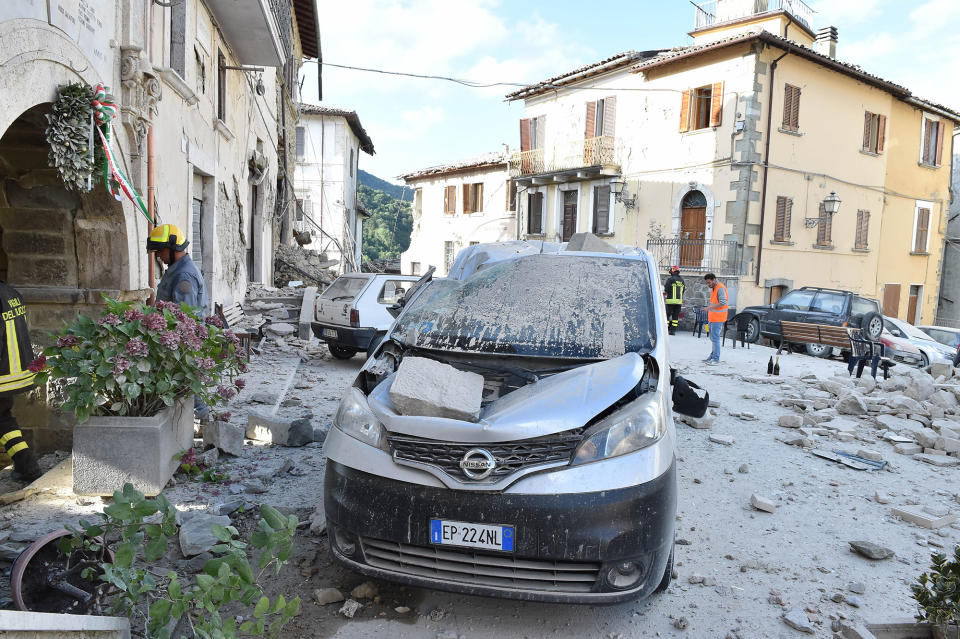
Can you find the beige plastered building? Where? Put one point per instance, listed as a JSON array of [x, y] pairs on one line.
[[457, 205], [720, 157]]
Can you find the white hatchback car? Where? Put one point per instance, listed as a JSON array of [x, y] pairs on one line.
[[351, 314]]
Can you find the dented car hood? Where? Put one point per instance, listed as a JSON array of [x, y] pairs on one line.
[[553, 404]]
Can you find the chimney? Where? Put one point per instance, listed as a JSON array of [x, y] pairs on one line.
[[826, 42]]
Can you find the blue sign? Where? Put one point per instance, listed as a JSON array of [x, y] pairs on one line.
[[436, 531], [508, 538]]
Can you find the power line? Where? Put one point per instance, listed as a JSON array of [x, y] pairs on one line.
[[474, 84]]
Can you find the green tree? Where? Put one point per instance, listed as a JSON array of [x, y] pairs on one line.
[[386, 233]]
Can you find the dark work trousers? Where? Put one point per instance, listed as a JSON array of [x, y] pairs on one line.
[[673, 317]]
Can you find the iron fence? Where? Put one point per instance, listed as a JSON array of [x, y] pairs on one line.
[[721, 257], [707, 16]]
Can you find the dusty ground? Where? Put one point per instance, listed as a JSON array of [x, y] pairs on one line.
[[753, 560]]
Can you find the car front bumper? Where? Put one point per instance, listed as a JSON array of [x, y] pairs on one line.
[[347, 336], [565, 544]]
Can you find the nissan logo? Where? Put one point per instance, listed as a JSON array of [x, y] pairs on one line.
[[477, 463]]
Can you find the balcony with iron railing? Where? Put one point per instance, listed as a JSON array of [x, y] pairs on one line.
[[716, 12], [721, 257], [597, 153]]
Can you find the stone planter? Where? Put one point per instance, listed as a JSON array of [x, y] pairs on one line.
[[110, 451]]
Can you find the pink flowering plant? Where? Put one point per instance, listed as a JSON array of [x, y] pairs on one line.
[[136, 360]]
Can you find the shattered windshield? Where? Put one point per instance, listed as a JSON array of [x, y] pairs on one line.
[[540, 305]]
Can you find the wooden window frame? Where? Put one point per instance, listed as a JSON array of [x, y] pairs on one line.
[[784, 213], [862, 234], [701, 107], [450, 200], [874, 132], [921, 232], [931, 149], [824, 229], [791, 108], [511, 195], [473, 198]]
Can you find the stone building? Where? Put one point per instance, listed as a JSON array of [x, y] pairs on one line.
[[205, 89], [722, 156], [328, 146], [456, 205], [948, 308]]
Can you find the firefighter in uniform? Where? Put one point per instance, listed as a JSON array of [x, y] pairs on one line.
[[182, 281], [16, 353], [673, 297]]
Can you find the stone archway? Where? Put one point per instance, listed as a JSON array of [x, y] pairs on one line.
[[61, 249]]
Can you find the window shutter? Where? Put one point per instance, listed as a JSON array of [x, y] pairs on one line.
[[786, 221], [923, 226], [467, 203], [795, 109], [881, 133], [538, 201], [779, 225], [541, 131], [525, 134], [716, 104], [867, 120], [601, 209], [591, 120], [609, 115], [685, 111], [478, 198], [823, 233], [301, 143], [787, 106], [941, 127], [446, 200]]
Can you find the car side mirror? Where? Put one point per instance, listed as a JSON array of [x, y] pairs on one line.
[[895, 332]]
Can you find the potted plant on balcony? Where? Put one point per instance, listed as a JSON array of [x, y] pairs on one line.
[[130, 377]]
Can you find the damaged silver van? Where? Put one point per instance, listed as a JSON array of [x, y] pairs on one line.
[[552, 478]]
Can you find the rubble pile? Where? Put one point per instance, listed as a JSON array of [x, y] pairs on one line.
[[296, 264]]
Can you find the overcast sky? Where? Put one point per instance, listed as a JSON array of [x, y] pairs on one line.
[[418, 123]]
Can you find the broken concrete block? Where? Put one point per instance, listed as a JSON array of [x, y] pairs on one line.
[[944, 399], [948, 444], [851, 630], [762, 503], [790, 421], [590, 243], [798, 620], [915, 515], [881, 497], [938, 460], [941, 369], [934, 451], [281, 329], [726, 440], [851, 404], [300, 433], [700, 423], [920, 388], [196, 534], [872, 455], [426, 387], [225, 436], [350, 608], [927, 437], [264, 426], [908, 449]]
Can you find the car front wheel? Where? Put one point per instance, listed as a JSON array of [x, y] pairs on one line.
[[341, 352], [752, 334], [819, 350], [924, 360]]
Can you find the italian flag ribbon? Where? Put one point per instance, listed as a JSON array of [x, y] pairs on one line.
[[104, 110]]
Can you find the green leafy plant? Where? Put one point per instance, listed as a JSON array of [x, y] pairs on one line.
[[137, 359], [68, 134], [937, 593], [137, 531]]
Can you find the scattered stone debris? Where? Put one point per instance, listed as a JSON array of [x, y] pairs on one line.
[[726, 440], [350, 608], [195, 532], [327, 596], [797, 619], [366, 590], [681, 623], [921, 517], [427, 387]]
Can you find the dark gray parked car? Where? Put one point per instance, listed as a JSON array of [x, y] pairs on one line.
[[815, 305]]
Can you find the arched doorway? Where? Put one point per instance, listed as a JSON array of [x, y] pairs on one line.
[[59, 248], [693, 228]]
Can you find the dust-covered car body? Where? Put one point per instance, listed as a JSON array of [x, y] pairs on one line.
[[564, 488]]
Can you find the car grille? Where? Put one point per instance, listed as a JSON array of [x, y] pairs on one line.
[[478, 568], [510, 456]]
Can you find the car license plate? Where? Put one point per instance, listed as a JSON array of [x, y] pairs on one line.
[[329, 332], [458, 533]]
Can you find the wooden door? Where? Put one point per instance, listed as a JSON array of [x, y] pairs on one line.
[[913, 303], [693, 228], [776, 292], [569, 215], [891, 300]]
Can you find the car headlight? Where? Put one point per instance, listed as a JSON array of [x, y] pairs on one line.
[[355, 418], [635, 426]]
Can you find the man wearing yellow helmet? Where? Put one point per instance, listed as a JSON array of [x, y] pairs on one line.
[[182, 281]]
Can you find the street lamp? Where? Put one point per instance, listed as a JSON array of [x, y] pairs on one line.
[[617, 188], [831, 204]]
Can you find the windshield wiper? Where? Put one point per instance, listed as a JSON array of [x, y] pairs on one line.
[[342, 297]]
